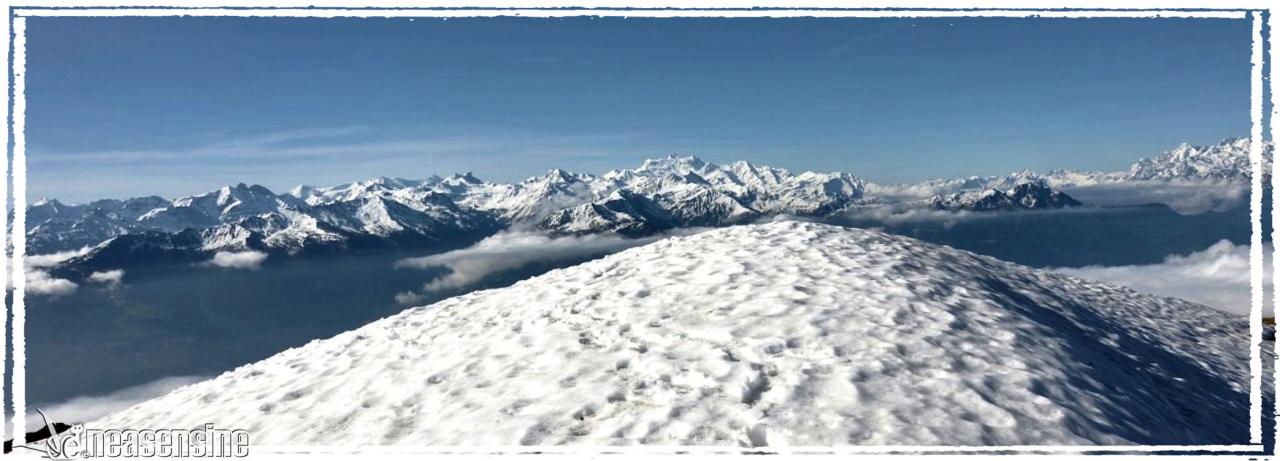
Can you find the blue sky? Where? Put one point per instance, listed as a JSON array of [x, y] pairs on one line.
[[173, 106]]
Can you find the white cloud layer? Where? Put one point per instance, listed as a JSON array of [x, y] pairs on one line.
[[89, 408], [894, 215], [1217, 277], [1184, 198], [40, 283], [247, 260], [898, 215], [512, 250], [53, 259]]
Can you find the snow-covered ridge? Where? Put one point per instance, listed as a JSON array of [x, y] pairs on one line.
[[663, 193], [778, 334]]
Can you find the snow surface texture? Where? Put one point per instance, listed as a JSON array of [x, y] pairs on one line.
[[786, 333]]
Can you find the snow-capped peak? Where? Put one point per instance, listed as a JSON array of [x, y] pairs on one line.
[[1030, 195], [302, 191], [671, 164], [46, 201], [1226, 161], [462, 179]]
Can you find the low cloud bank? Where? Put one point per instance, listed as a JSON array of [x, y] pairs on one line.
[[1184, 198], [37, 278], [898, 215], [245, 260], [512, 250], [90, 408], [1217, 277], [894, 215], [52, 259], [40, 283]]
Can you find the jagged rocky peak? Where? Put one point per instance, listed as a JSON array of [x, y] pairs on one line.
[[461, 179], [255, 190], [46, 202], [672, 164], [45, 209], [556, 175], [226, 195], [1033, 195], [1038, 196], [683, 178], [302, 191], [746, 168], [385, 183], [1228, 160], [396, 181], [622, 211]]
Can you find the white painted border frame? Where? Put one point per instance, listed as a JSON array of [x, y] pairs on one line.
[[1255, 240], [1251, 10], [19, 238]]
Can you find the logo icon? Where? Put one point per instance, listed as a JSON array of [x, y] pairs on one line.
[[52, 443]]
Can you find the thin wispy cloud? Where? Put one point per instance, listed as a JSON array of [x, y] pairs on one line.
[[272, 152], [285, 136], [348, 143], [111, 278], [512, 250], [88, 408]]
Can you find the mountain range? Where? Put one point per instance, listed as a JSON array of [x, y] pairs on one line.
[[1224, 162], [664, 193]]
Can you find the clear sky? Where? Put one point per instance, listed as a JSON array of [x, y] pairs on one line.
[[173, 106]]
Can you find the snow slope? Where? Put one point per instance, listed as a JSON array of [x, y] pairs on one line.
[[785, 333]]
